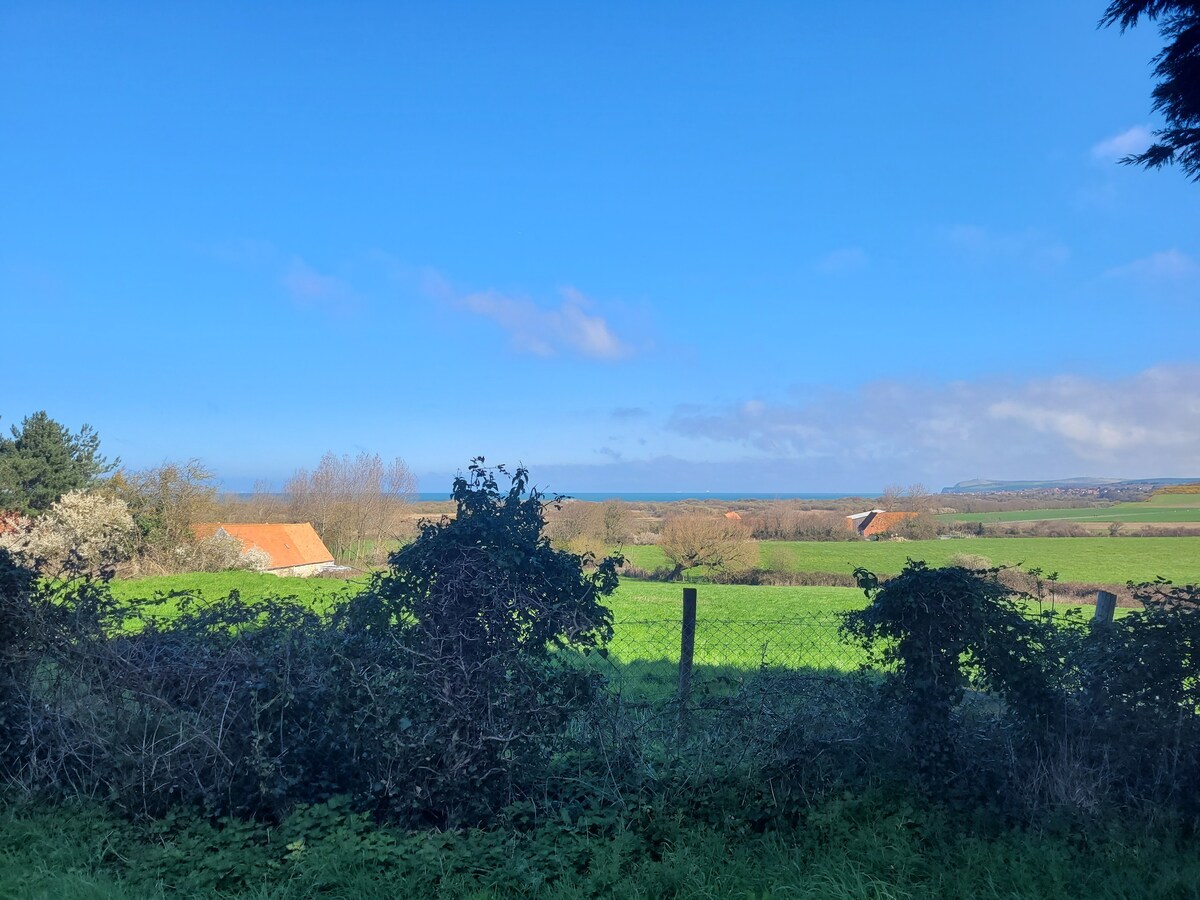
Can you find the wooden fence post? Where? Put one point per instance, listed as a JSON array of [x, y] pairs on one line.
[[1106, 608], [687, 644]]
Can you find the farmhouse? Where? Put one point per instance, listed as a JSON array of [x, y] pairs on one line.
[[874, 522], [294, 549]]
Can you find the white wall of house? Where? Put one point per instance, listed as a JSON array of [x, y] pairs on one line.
[[300, 571]]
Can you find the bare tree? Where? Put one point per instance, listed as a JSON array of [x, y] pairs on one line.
[[714, 542], [917, 498], [165, 502], [264, 504], [355, 503], [617, 522], [892, 499]]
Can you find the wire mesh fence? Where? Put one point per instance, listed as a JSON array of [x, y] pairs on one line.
[[642, 659]]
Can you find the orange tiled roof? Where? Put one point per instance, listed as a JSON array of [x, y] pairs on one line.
[[885, 521], [293, 544]]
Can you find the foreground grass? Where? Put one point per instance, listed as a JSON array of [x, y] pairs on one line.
[[843, 848], [1102, 560]]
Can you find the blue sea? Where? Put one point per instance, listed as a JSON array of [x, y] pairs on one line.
[[667, 497]]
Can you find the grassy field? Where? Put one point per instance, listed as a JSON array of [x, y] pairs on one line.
[[740, 628], [1102, 560], [1159, 508], [318, 593], [633, 600]]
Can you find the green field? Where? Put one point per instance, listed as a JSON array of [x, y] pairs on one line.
[[1100, 560], [1160, 508], [740, 628], [318, 593]]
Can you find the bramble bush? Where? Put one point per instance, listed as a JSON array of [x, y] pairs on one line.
[[474, 609], [941, 631], [435, 697]]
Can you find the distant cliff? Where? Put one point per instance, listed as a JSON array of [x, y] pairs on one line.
[[985, 486]]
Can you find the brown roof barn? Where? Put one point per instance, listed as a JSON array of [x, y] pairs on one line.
[[294, 548], [876, 521]]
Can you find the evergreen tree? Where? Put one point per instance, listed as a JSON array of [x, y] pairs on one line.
[[1177, 94], [43, 460]]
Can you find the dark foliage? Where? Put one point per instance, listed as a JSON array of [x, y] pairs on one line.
[[942, 631], [1141, 696], [1177, 67], [436, 697], [475, 607]]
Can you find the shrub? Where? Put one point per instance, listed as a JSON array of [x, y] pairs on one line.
[[938, 631], [81, 533], [1141, 694], [474, 607], [221, 552], [971, 561], [714, 542]]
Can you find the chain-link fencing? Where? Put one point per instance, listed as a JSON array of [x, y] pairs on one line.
[[642, 661]]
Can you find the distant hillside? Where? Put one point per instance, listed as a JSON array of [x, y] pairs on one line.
[[1190, 488], [985, 486]]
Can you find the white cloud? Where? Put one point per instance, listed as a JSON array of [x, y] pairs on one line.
[[1142, 425], [1128, 142], [569, 327], [1167, 266]]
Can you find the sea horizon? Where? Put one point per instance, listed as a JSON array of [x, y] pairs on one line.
[[670, 496]]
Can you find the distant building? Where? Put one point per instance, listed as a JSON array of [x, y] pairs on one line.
[[874, 522], [294, 549], [733, 516]]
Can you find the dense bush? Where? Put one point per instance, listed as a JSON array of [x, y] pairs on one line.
[[437, 696], [939, 632], [475, 608], [1140, 696], [779, 522], [81, 533]]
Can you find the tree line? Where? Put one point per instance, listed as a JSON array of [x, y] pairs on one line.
[[65, 506]]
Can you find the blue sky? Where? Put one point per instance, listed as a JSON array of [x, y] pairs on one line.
[[762, 247]]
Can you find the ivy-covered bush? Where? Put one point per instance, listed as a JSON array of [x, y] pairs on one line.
[[438, 696], [1140, 697], [941, 631], [475, 610]]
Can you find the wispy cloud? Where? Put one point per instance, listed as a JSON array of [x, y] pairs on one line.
[[1128, 142], [304, 282], [1029, 247], [842, 261], [630, 412], [1144, 424], [1167, 266], [571, 327], [311, 288]]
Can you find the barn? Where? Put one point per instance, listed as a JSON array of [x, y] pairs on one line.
[[875, 522], [295, 549]]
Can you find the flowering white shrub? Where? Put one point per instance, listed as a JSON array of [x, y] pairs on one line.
[[82, 533], [222, 552], [255, 560]]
